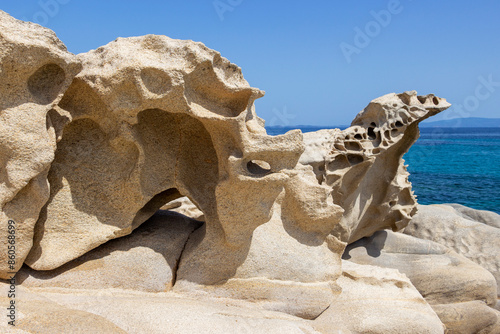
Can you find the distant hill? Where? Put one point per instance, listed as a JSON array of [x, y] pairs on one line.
[[469, 122]]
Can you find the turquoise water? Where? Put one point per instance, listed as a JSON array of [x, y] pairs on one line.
[[457, 165], [451, 165]]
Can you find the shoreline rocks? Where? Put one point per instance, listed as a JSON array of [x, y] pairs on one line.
[[106, 140], [474, 240]]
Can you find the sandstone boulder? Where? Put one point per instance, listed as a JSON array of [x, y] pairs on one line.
[[459, 290], [441, 275], [35, 71], [363, 164], [146, 260], [473, 317], [372, 298], [483, 216], [475, 240], [118, 311], [151, 119]]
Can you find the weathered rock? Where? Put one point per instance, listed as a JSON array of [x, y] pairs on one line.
[[117, 311], [152, 119], [363, 164], [372, 298], [439, 274], [472, 317], [185, 207], [146, 260], [456, 287], [117, 162], [474, 240], [486, 217], [35, 70], [496, 327], [36, 313], [276, 252]]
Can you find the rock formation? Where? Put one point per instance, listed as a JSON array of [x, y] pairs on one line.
[[363, 164], [94, 147], [152, 251], [474, 239], [454, 286], [371, 298], [35, 71]]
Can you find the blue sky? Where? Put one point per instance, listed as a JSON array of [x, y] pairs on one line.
[[320, 62]]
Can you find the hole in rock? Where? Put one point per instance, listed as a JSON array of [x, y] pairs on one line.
[[340, 162], [46, 83], [358, 136], [404, 98], [178, 150], [373, 124], [422, 99], [352, 146], [399, 124], [258, 167], [339, 147], [387, 134], [405, 197], [376, 151], [154, 205], [435, 100], [354, 159], [371, 134]]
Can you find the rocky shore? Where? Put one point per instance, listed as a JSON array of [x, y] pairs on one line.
[[140, 193]]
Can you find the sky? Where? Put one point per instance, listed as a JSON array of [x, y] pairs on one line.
[[320, 62]]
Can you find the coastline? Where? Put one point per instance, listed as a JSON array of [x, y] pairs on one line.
[[448, 164]]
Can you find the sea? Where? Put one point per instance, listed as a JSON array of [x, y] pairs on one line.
[[449, 165]]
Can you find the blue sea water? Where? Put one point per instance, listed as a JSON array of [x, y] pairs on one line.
[[450, 165]]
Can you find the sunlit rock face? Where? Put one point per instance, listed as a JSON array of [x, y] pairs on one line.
[[363, 164], [105, 139], [150, 119], [35, 71]]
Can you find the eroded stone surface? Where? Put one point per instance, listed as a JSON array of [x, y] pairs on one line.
[[439, 274], [271, 271], [151, 119], [371, 298], [36, 313], [475, 240], [460, 291], [363, 164], [483, 216], [146, 260], [185, 207], [35, 70], [468, 318], [118, 311]]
